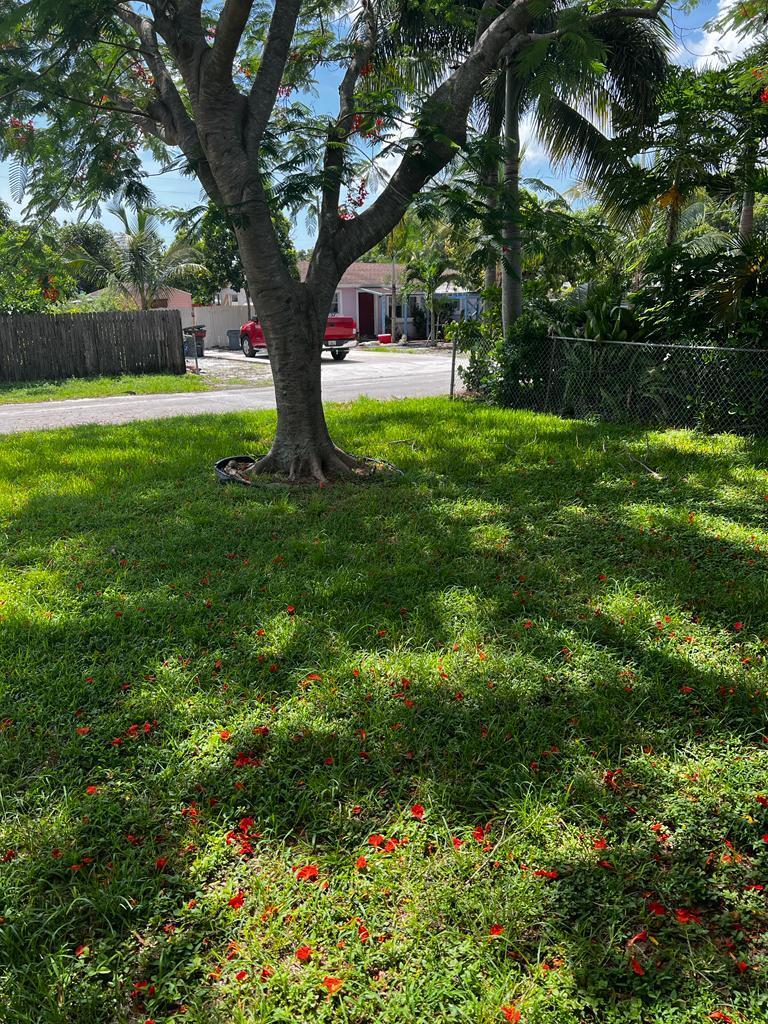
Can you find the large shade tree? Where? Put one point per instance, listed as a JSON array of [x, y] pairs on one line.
[[82, 83]]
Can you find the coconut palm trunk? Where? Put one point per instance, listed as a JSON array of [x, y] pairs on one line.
[[512, 238]]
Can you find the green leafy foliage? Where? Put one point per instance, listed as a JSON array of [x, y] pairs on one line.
[[34, 275]]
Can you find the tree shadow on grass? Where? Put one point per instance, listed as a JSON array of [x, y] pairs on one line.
[[559, 722]]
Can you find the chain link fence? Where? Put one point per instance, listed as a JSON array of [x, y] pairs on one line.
[[707, 388]]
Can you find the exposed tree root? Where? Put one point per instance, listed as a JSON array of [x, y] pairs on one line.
[[318, 465]]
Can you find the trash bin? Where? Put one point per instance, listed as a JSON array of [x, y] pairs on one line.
[[234, 340]]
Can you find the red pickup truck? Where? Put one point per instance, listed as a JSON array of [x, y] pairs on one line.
[[340, 336]]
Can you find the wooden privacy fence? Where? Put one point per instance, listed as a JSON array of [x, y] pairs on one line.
[[44, 347]]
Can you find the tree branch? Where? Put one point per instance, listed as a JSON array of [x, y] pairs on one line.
[[342, 128], [229, 32], [632, 12], [444, 126], [169, 108], [270, 73]]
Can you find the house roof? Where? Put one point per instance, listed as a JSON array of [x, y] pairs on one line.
[[364, 275]]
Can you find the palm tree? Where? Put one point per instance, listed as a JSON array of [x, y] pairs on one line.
[[572, 88], [143, 268], [572, 93], [431, 267], [397, 243]]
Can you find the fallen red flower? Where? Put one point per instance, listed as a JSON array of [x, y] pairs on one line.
[[685, 916], [307, 873]]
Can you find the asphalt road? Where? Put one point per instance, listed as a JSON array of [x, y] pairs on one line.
[[376, 374]]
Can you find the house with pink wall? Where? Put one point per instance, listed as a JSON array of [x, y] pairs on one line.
[[365, 293]]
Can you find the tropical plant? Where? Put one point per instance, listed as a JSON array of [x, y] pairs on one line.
[[141, 266], [430, 268], [90, 238], [33, 274]]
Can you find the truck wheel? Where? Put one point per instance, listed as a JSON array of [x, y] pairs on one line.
[[245, 342], [339, 355]]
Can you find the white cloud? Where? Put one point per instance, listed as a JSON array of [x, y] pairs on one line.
[[714, 48]]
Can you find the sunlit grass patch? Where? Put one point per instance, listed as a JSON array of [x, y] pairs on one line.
[[100, 387]]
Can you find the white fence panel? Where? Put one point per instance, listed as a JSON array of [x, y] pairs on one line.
[[218, 320]]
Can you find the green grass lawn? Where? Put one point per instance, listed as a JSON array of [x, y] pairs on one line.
[[484, 740], [101, 387]]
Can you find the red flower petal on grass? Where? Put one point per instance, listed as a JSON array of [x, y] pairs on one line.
[[290, 609], [543, 873], [738, 626], [332, 984], [237, 900], [375, 840], [685, 916], [722, 1017], [637, 967], [361, 863], [224, 735], [417, 812], [241, 975], [657, 908], [90, 790], [304, 953], [307, 873], [511, 1014], [496, 929]]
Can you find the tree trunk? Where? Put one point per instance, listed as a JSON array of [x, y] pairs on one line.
[[747, 218], [393, 318], [491, 184], [673, 224], [293, 318], [512, 260]]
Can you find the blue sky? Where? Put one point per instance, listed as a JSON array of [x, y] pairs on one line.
[[694, 45]]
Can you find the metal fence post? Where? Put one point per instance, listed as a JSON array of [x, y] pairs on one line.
[[453, 365]]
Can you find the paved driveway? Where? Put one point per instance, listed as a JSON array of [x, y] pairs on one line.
[[377, 374]]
